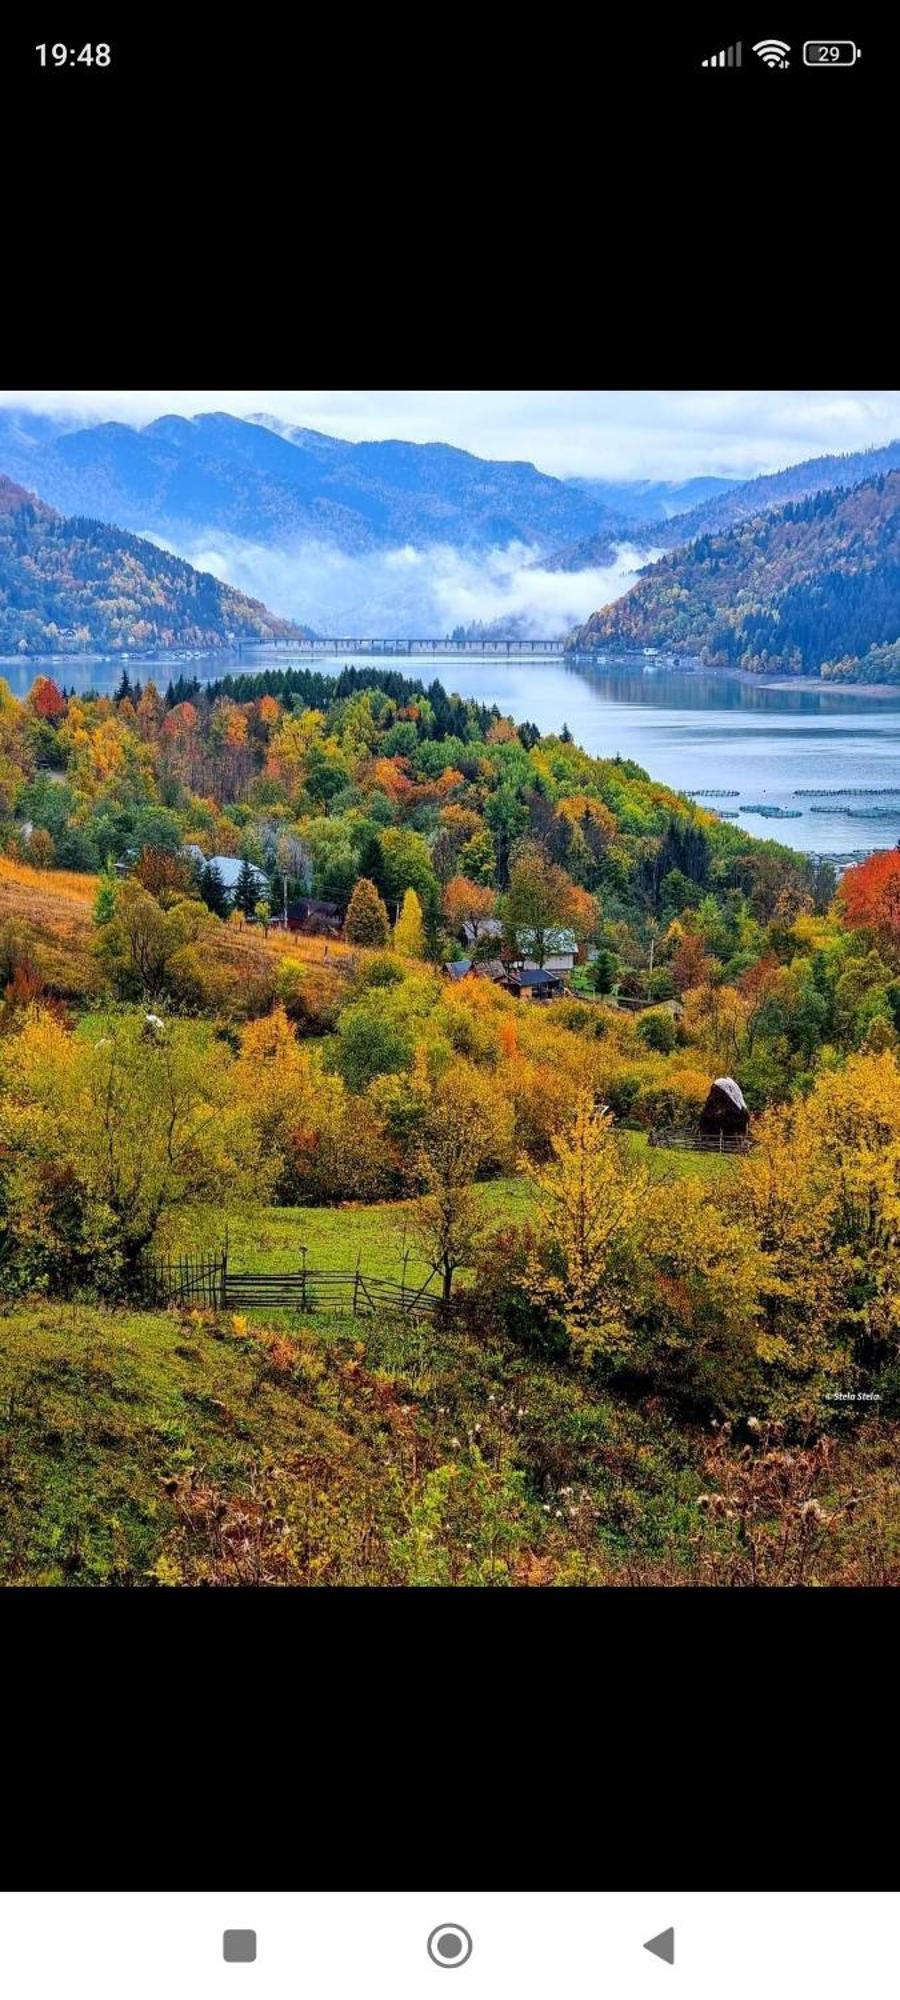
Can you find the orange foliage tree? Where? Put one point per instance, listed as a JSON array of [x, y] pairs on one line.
[[468, 902], [46, 699], [869, 897]]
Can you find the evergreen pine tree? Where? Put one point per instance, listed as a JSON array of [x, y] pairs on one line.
[[105, 899], [212, 890], [367, 918], [434, 937], [371, 863], [246, 894]]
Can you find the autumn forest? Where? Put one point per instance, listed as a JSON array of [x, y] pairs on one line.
[[351, 976]]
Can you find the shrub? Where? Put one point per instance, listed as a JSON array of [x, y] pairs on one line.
[[369, 1044], [381, 970], [657, 1031]]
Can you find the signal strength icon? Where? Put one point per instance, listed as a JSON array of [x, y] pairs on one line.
[[726, 58], [773, 53]]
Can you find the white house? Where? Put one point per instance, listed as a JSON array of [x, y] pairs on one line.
[[229, 869], [560, 949], [561, 946]]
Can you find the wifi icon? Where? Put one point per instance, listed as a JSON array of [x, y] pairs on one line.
[[773, 53]]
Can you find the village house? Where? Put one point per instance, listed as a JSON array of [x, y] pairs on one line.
[[229, 868], [525, 982], [534, 982], [313, 915], [486, 927], [560, 946], [725, 1112], [560, 950]]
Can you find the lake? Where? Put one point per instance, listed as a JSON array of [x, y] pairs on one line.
[[693, 731]]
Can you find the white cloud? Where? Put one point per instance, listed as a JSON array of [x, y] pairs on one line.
[[413, 593], [614, 434]]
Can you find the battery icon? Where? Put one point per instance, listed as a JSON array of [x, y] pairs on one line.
[[831, 55]]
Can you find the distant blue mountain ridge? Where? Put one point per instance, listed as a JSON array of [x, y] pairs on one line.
[[274, 484], [264, 483]]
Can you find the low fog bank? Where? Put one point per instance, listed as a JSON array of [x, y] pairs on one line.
[[413, 593]]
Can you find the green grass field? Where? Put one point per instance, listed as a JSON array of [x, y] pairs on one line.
[[142, 1448], [377, 1235], [677, 1165], [101, 1407]]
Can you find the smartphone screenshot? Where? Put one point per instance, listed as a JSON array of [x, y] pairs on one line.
[[449, 1007]]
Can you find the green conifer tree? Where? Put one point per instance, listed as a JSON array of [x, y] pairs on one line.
[[367, 918]]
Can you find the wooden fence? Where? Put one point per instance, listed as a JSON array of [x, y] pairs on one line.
[[207, 1280], [699, 1142]]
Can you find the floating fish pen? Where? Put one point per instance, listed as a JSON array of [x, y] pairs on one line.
[[860, 812], [715, 794], [774, 812], [727, 812], [847, 792]]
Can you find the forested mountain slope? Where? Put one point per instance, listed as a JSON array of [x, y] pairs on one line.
[[811, 588], [72, 585]]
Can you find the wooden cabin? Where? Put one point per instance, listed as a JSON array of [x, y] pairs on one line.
[[312, 914]]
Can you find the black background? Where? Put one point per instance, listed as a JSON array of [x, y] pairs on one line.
[[405, 203]]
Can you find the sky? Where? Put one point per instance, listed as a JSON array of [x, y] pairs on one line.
[[599, 434]]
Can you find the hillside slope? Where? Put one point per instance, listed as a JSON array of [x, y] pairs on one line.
[[78, 585], [777, 489], [669, 526], [814, 583]]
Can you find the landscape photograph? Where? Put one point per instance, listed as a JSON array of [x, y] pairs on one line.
[[449, 989]]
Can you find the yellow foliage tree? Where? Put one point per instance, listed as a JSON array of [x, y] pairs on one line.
[[409, 930], [114, 1132], [822, 1193], [467, 1129], [588, 1203]]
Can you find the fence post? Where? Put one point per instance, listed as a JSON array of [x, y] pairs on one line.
[[303, 1278], [356, 1285], [721, 1140]]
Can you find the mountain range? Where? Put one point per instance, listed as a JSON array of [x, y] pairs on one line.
[[281, 492], [276, 485], [805, 588], [79, 585], [266, 481], [739, 502]]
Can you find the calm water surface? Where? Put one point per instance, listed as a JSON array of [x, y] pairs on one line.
[[690, 730]]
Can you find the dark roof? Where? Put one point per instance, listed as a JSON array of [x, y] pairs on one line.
[[458, 968], [312, 906], [490, 968], [534, 976]]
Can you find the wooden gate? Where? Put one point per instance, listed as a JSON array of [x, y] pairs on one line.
[[207, 1280]]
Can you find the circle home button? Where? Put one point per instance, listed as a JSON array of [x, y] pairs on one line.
[[449, 1946]]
